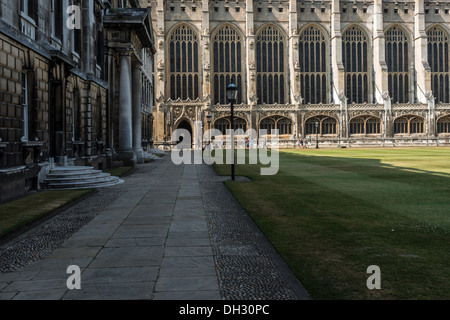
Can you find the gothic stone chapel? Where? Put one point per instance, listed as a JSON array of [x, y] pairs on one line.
[[367, 72]]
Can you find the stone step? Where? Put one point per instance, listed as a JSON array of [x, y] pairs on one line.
[[65, 186], [101, 177], [77, 177], [71, 168]]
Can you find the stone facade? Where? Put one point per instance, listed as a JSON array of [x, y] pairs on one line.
[[59, 88], [367, 72]]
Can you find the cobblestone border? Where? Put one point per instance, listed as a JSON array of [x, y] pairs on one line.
[[248, 267], [42, 240]]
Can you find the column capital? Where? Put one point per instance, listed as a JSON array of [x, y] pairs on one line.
[[125, 52]]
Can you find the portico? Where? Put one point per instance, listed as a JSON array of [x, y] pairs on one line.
[[129, 34]]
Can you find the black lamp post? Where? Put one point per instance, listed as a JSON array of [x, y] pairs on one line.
[[317, 135], [208, 119], [231, 96]]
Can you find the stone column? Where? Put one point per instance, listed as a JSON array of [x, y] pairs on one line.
[[159, 65], [125, 109], [336, 53], [136, 110], [294, 67], [421, 60], [205, 48], [380, 68], [251, 56], [338, 72]]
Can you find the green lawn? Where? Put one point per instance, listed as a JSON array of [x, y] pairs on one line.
[[20, 212], [331, 213]]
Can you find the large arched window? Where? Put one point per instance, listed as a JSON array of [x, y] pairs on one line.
[[99, 117], [76, 115], [267, 124], [270, 66], [224, 123], [282, 124], [326, 125], [313, 70], [227, 63], [397, 63], [443, 124], [354, 56], [365, 125], [184, 64], [438, 59], [408, 125]]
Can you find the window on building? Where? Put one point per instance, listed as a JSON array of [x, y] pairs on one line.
[[99, 117], [57, 17], [270, 66], [76, 33], [223, 124], [443, 124], [227, 63], [183, 64], [365, 125], [327, 125], [267, 124], [76, 115], [355, 58], [284, 126], [397, 62], [29, 17], [409, 125], [29, 8], [439, 61], [25, 105], [313, 70]]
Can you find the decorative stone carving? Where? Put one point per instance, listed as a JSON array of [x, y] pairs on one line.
[[253, 98]]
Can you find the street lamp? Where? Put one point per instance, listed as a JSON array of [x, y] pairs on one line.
[[208, 119], [317, 134], [231, 96]]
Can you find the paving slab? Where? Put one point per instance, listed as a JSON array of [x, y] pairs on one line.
[[167, 233]]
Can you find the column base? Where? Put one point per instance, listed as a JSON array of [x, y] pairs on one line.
[[128, 157], [139, 155]]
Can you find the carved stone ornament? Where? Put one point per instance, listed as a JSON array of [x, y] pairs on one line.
[[298, 99], [177, 112], [253, 98], [190, 112]]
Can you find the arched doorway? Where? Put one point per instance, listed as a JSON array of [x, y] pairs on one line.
[[187, 126]]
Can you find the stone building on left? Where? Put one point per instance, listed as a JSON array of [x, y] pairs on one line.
[[75, 87]]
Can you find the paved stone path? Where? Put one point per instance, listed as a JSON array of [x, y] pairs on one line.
[[169, 233]]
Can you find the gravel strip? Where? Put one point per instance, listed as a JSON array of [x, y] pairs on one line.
[[41, 242], [247, 266]]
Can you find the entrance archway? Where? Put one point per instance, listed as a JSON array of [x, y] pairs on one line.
[[187, 126]]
